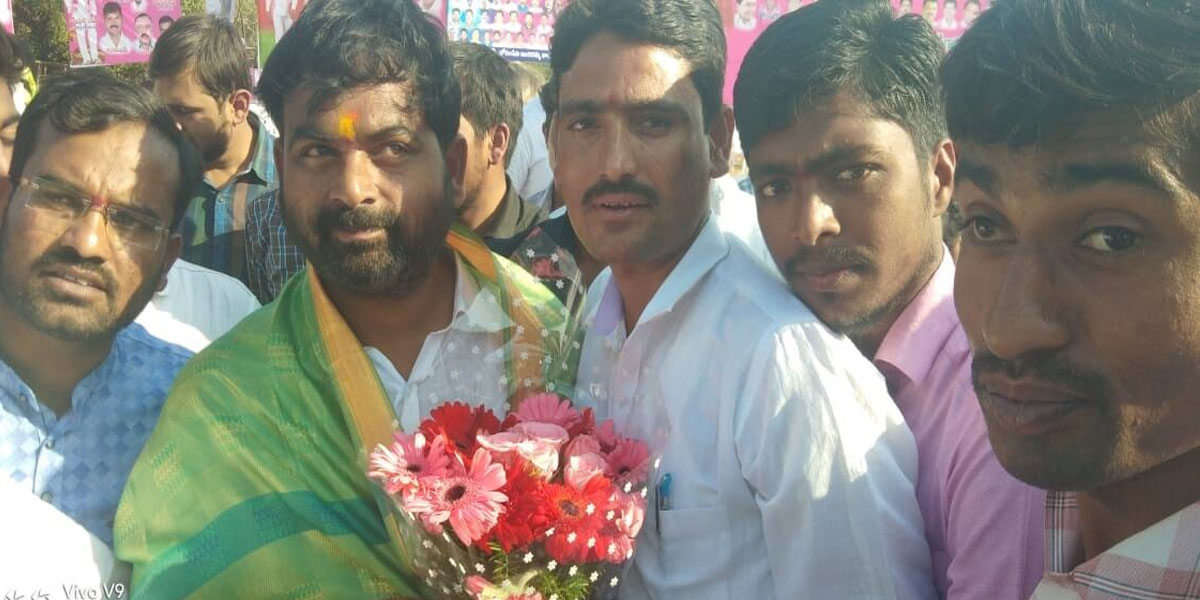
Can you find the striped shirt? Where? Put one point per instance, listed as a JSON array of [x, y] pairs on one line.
[[1160, 563], [214, 225]]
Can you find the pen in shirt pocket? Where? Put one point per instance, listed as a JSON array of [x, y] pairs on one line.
[[662, 500]]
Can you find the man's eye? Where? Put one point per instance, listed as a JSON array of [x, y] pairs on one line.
[[772, 189], [581, 124], [317, 152], [854, 173], [395, 149], [982, 229], [654, 124], [1110, 239]]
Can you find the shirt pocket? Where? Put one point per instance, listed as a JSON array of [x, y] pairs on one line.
[[694, 551]]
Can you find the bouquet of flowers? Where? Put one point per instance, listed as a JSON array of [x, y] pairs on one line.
[[545, 505]]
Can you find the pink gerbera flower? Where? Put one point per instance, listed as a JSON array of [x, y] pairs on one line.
[[548, 408], [399, 469], [470, 503], [629, 462]]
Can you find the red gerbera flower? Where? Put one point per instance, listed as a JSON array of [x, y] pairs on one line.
[[460, 423], [526, 516], [583, 526]]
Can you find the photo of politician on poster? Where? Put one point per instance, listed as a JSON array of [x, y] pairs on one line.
[[113, 32], [515, 30], [950, 18]]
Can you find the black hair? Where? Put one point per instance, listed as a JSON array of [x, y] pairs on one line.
[[1031, 71], [690, 28], [14, 58], [208, 44], [112, 8], [855, 47], [88, 101], [339, 45], [491, 94], [165, 19]]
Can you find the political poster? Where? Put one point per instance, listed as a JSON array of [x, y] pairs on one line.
[[6, 19], [275, 17], [950, 18], [745, 19], [518, 31], [113, 32]]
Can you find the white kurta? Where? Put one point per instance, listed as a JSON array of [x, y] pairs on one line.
[[792, 472]]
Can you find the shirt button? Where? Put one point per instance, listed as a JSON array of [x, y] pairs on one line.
[[47, 496], [49, 444]]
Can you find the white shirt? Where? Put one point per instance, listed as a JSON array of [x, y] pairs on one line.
[[736, 213], [45, 549], [529, 168], [121, 45], [464, 361], [197, 306], [792, 472]]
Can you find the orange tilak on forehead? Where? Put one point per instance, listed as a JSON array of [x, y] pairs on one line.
[[346, 126]]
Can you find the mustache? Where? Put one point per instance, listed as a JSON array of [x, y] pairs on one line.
[[827, 255], [1045, 367], [68, 257], [354, 219], [625, 185]]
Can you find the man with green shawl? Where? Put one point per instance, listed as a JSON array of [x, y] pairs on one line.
[[254, 483]]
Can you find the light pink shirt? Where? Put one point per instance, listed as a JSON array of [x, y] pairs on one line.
[[985, 529]]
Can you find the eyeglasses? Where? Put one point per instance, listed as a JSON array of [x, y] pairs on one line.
[[58, 206]]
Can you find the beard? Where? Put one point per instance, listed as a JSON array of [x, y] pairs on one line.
[[216, 144], [393, 266], [65, 318]]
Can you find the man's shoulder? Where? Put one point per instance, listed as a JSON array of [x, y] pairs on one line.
[[212, 282], [139, 344], [761, 297], [244, 354]]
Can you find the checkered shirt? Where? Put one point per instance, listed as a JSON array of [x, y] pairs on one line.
[[1160, 563]]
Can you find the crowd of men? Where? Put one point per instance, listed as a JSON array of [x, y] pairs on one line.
[[845, 404]]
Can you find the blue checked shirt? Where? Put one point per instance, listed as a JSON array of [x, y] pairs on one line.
[[272, 258], [79, 462], [214, 224]]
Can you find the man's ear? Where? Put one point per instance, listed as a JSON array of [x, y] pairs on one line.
[[720, 142], [941, 176], [456, 164], [240, 103], [501, 139]]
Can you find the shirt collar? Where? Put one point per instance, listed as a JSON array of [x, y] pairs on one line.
[[912, 344], [506, 222], [709, 247], [1159, 560], [259, 168], [476, 309]]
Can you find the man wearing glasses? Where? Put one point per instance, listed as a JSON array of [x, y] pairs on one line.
[[88, 219]]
